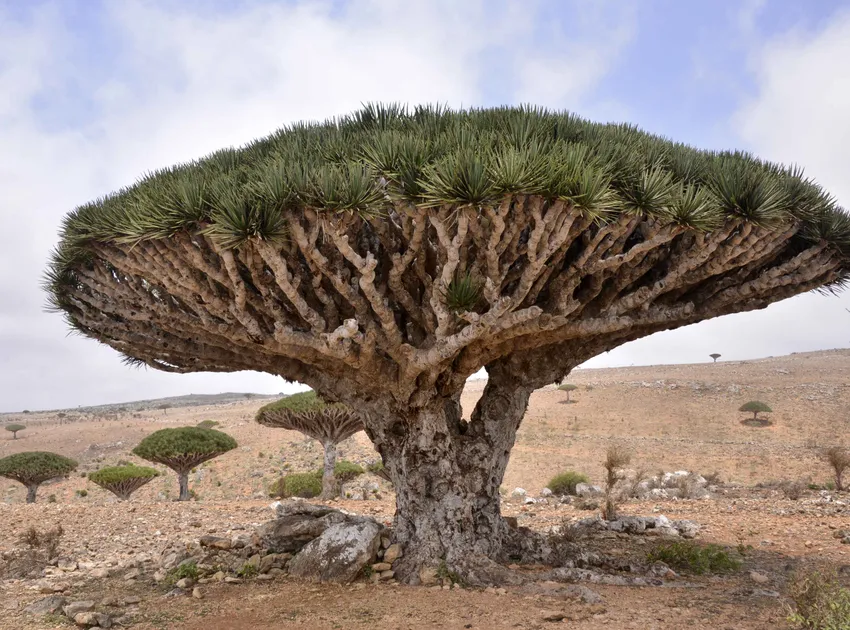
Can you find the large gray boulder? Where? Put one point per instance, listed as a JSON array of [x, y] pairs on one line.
[[340, 553], [297, 523]]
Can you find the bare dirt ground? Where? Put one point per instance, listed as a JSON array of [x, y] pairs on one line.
[[670, 417]]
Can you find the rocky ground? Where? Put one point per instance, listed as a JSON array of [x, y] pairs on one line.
[[671, 417]]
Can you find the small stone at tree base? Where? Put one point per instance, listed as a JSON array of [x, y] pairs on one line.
[[428, 576], [392, 553], [197, 594]]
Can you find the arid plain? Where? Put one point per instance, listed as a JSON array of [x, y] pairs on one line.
[[677, 417]]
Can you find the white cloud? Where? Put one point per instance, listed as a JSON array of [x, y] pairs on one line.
[[183, 82], [798, 113]]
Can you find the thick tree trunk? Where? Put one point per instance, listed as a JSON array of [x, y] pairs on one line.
[[183, 479], [329, 487], [447, 473], [31, 490]]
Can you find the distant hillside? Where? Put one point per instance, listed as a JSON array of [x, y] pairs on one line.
[[189, 400]]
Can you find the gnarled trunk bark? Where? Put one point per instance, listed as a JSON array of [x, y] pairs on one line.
[[447, 473], [183, 479], [31, 490], [329, 486]]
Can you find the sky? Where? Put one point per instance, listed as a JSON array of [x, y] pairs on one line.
[[94, 93]]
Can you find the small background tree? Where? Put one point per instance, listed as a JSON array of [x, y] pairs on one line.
[[182, 449], [616, 459], [165, 407], [123, 481], [330, 424], [34, 468], [568, 387], [839, 459], [714, 356], [756, 407], [14, 428]]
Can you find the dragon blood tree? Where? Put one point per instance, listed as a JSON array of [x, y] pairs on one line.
[[34, 468], [384, 257], [307, 413], [182, 449], [123, 481]]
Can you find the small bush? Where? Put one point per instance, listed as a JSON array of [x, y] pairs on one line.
[[82, 493], [40, 548], [693, 558], [616, 458], [304, 485], [565, 483], [51, 498], [184, 570], [345, 470], [793, 489], [248, 570], [839, 460], [820, 602]]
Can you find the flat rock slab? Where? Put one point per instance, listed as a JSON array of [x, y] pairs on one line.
[[47, 605], [340, 553]]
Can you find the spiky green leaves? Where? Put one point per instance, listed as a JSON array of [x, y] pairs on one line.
[[296, 403], [185, 447], [463, 293], [35, 467], [115, 474], [122, 481]]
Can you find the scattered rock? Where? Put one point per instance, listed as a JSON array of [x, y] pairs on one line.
[[46, 605], [518, 493], [67, 565], [214, 542], [546, 492], [78, 607], [197, 594], [586, 490], [132, 574], [232, 580], [382, 566], [552, 616], [92, 619], [185, 583], [759, 578]]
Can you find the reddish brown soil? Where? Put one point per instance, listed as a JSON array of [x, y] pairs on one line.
[[670, 417]]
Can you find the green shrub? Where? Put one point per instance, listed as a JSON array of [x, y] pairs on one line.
[[207, 424], [345, 470], [82, 493], [248, 570], [820, 603], [183, 570], [565, 483], [304, 485], [693, 558]]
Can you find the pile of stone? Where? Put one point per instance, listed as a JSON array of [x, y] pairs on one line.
[[647, 525], [86, 613]]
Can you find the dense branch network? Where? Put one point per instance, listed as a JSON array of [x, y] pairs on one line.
[[398, 253]]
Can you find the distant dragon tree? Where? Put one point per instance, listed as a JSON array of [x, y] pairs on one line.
[[384, 257]]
